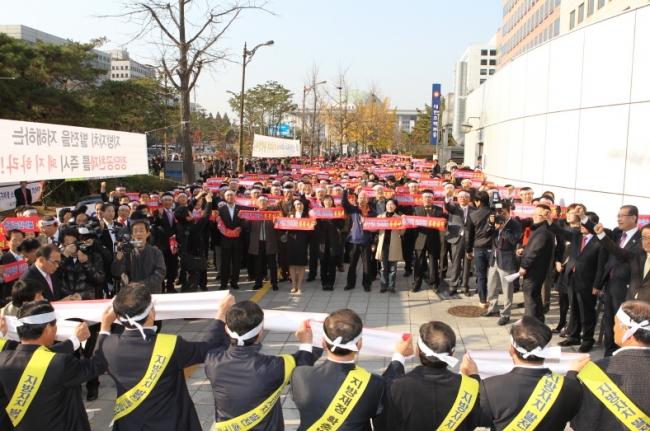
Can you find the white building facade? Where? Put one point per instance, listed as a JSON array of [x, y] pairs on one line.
[[560, 118]]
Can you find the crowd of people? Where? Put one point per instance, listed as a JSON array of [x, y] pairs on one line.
[[128, 249]]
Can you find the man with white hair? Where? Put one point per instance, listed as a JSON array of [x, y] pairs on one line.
[[457, 235], [360, 239]]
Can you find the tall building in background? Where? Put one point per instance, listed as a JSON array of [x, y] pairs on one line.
[[123, 67], [578, 13], [476, 65]]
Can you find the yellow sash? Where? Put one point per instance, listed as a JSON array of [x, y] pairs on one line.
[[3, 341], [463, 405], [250, 419], [28, 384], [614, 399], [540, 402], [131, 399], [344, 401]]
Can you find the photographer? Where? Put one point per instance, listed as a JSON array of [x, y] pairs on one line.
[[478, 245], [139, 261], [81, 270]]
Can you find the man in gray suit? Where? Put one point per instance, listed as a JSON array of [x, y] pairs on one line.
[[263, 245], [456, 236]]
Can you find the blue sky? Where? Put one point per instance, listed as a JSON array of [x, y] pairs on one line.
[[400, 46]]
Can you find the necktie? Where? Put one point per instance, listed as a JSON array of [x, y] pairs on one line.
[[49, 282], [584, 243], [51, 240], [621, 243], [169, 217], [465, 214], [25, 195], [646, 267]]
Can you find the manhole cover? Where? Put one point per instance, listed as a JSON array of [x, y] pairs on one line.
[[466, 311]]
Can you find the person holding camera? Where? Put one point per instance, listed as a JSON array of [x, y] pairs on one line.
[[506, 237], [478, 245], [136, 261], [190, 235]]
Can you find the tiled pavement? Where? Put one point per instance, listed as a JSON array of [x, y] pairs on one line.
[[402, 311]]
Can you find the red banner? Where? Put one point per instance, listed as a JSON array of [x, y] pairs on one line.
[[409, 200], [173, 245], [383, 223], [468, 174], [527, 211], [327, 213], [246, 202], [230, 233], [215, 181], [643, 220], [291, 223], [13, 271], [259, 215], [437, 223], [24, 224]]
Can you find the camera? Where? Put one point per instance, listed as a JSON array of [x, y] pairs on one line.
[[495, 202], [127, 244], [499, 219], [90, 230]]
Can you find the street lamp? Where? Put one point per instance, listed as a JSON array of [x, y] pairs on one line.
[[341, 121], [302, 125], [466, 127], [249, 54]]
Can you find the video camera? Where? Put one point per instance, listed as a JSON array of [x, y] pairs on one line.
[[90, 230], [496, 206], [126, 245]]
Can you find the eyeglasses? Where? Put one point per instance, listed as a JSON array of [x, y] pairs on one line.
[[624, 215], [54, 262], [645, 239]]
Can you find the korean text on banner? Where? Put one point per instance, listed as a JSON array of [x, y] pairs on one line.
[[267, 146], [39, 151], [8, 200]]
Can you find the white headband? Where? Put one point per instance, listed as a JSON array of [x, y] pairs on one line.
[[133, 320], [463, 192], [247, 336], [47, 223], [445, 357], [546, 352], [182, 193], [350, 345], [37, 319], [427, 194], [627, 321], [413, 184], [124, 207]]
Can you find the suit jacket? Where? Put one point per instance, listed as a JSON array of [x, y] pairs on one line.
[[242, 378], [428, 238], [617, 283], [169, 405], [255, 232], [313, 389], [457, 224], [587, 273], [476, 222], [504, 245], [5, 422], [57, 405], [503, 397], [421, 399], [33, 273], [20, 198], [538, 253], [230, 223], [629, 371], [164, 229]]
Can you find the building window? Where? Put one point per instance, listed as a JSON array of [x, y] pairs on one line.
[[556, 27], [493, 52], [493, 62], [491, 71], [484, 52], [483, 71], [590, 7], [557, 2], [581, 13], [482, 81], [550, 31], [552, 7], [572, 20], [601, 3], [483, 62]]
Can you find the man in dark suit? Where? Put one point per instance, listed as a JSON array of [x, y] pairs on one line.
[[505, 238], [427, 242], [263, 245], [639, 259], [231, 247], [478, 245], [242, 378], [536, 259], [120, 192], [313, 388], [168, 404], [457, 235], [503, 397], [23, 195], [48, 259], [628, 370], [616, 273], [422, 398], [581, 274], [15, 237], [166, 229], [57, 403]]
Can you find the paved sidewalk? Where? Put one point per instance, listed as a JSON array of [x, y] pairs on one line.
[[403, 312]]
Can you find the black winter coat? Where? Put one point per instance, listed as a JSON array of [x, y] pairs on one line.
[[86, 279], [328, 236]]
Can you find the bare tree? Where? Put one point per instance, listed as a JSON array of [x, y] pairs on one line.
[[187, 35]]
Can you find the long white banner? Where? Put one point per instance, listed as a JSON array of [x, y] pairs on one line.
[[39, 151], [204, 305], [268, 146]]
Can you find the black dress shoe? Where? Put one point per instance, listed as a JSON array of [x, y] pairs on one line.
[[585, 347], [235, 287], [467, 293], [490, 313], [218, 277], [415, 289], [452, 292], [341, 268], [367, 289], [569, 342], [546, 308], [557, 330], [348, 288], [93, 394], [275, 287], [382, 290], [310, 279], [503, 320], [258, 287], [407, 273], [391, 290]]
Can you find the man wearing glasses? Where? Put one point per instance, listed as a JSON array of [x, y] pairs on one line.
[[624, 278], [48, 258]]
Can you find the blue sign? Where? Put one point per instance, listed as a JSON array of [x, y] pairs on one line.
[[435, 114], [283, 130]]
